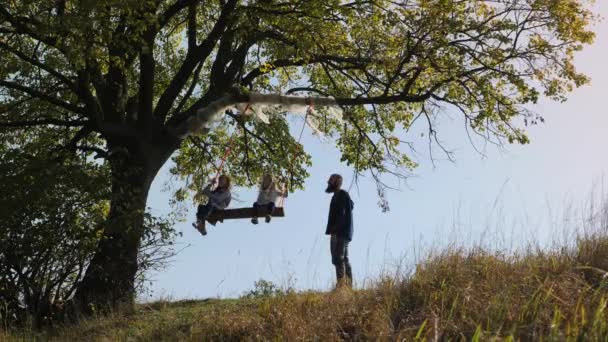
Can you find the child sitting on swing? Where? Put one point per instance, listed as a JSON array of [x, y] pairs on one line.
[[267, 198], [219, 198]]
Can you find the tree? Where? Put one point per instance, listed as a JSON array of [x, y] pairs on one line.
[[136, 82], [51, 217]]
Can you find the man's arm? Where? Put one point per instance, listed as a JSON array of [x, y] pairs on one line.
[[331, 218], [348, 212], [342, 211]]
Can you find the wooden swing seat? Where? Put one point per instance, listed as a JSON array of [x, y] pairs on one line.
[[242, 213]]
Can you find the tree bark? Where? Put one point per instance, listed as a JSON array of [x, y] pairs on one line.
[[109, 280]]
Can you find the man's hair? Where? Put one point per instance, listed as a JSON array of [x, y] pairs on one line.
[[334, 183], [338, 178]]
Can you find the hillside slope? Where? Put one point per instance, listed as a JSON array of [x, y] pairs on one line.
[[471, 295]]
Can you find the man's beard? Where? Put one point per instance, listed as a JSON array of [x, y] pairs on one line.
[[331, 188]]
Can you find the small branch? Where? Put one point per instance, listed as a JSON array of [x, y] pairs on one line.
[[42, 96], [354, 62], [42, 122], [100, 153], [190, 90], [22, 25], [173, 10], [81, 134], [146, 83], [198, 55], [308, 89], [433, 136], [39, 64], [247, 130]]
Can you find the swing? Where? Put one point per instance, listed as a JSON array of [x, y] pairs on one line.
[[246, 212], [242, 213]]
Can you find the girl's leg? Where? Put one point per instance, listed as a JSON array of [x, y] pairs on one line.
[[202, 213], [270, 207], [256, 209]]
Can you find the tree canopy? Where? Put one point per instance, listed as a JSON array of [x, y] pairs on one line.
[[123, 81], [89, 66]]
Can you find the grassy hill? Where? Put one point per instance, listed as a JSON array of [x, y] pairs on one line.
[[459, 295]]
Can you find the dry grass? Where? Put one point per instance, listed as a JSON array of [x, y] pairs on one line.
[[455, 295], [548, 294]]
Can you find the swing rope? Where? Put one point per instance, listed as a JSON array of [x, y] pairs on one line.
[[290, 170], [228, 150], [309, 111]]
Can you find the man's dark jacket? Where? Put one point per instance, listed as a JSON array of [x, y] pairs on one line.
[[340, 221]]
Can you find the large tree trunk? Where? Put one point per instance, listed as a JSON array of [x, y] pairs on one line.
[[109, 279]]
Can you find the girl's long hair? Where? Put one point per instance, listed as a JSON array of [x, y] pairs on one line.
[[228, 182], [271, 186]]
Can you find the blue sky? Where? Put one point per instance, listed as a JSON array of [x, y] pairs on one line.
[[503, 199]]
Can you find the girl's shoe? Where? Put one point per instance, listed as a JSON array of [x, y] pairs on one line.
[[200, 226]]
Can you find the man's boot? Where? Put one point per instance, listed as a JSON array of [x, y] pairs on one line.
[[349, 274], [340, 275]]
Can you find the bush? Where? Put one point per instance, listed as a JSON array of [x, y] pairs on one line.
[[51, 218], [264, 289]]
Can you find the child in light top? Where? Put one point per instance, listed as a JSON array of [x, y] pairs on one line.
[[267, 198], [219, 198]]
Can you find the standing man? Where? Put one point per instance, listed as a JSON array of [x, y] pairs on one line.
[[340, 227]]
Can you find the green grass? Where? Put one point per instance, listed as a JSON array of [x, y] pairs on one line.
[[455, 295]]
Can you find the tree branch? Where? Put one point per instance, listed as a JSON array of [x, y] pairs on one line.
[[193, 57], [204, 115], [190, 90], [39, 64], [21, 25], [42, 122], [173, 10], [81, 134], [100, 153], [247, 130], [192, 25], [146, 82], [93, 107], [42, 96], [279, 63]]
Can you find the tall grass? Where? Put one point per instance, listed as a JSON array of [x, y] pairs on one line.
[[553, 293]]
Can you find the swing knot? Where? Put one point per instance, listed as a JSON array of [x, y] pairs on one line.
[[310, 103]]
